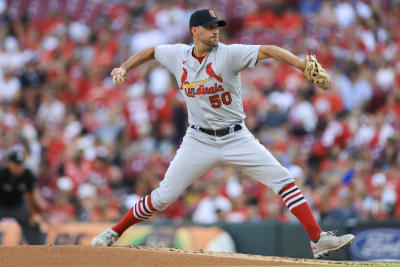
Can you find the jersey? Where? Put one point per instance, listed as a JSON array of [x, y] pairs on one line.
[[12, 188], [212, 88]]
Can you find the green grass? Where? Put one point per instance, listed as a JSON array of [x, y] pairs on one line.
[[334, 265], [368, 263]]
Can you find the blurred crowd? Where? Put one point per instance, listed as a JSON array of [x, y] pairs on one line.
[[95, 148]]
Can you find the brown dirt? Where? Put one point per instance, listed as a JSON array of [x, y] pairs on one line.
[[137, 256]]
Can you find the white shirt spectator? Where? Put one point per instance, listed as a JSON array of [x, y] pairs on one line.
[[304, 114], [30, 134], [171, 21], [34, 158], [78, 31], [51, 112], [11, 56], [8, 119], [362, 91], [138, 111], [72, 129], [333, 130], [146, 39], [235, 217], [364, 135], [3, 6], [368, 39], [385, 78], [386, 200], [159, 81], [206, 211], [345, 15], [363, 10], [9, 89], [354, 94], [382, 35], [284, 100], [233, 187], [386, 132], [50, 42], [346, 91]]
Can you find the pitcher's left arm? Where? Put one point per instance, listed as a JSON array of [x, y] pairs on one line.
[[310, 67]]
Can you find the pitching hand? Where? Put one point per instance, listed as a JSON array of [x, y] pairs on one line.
[[118, 75]]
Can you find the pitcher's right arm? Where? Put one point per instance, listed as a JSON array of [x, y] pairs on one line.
[[140, 57]]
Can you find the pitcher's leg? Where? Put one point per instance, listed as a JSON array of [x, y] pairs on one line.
[[298, 206], [262, 166], [191, 161], [247, 153], [188, 164]]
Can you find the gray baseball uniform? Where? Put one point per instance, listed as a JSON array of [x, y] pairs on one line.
[[212, 91]]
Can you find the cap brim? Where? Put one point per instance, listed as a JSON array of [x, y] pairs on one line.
[[220, 22]]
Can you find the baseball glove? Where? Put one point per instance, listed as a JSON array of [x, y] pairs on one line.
[[315, 73]]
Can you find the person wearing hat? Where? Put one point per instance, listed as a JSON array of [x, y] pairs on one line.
[[208, 76], [17, 199]]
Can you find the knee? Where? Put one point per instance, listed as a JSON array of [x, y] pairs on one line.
[[279, 185]]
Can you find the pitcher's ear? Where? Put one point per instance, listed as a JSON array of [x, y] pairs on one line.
[[193, 30]]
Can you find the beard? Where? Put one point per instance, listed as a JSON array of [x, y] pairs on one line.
[[212, 42]]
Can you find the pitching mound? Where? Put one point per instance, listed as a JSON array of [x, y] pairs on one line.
[[139, 256]]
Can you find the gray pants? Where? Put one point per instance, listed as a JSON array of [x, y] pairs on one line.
[[20, 212], [200, 152]]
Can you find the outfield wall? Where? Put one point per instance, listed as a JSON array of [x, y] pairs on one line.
[[374, 241]]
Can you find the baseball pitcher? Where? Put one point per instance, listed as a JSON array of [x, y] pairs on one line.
[[208, 75]]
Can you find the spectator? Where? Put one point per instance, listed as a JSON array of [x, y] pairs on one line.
[[10, 87], [345, 212], [212, 207]]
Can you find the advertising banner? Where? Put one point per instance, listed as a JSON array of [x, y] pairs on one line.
[[184, 237], [376, 244]]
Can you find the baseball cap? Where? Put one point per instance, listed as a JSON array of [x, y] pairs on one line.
[[205, 17], [16, 156]]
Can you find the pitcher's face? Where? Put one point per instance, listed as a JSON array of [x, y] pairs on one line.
[[208, 35]]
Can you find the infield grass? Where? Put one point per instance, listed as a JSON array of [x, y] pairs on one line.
[[377, 264]]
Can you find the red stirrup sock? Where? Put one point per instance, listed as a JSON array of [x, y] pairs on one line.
[[141, 211], [298, 206]]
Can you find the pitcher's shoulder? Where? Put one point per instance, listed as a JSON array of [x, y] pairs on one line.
[[183, 47], [222, 46], [177, 46]]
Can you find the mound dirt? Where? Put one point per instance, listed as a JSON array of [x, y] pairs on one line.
[[137, 256]]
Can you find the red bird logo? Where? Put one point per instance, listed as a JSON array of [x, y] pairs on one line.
[[211, 73], [183, 78]]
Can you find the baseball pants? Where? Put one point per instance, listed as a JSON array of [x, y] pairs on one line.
[[199, 152]]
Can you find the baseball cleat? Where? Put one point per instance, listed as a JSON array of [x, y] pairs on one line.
[[105, 239], [328, 243]]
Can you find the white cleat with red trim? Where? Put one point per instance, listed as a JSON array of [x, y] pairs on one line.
[[105, 239], [329, 242]]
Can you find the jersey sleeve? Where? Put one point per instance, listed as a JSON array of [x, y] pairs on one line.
[[168, 55], [242, 56]]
